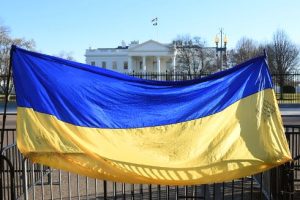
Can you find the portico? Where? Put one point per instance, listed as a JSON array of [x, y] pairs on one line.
[[150, 63], [150, 56]]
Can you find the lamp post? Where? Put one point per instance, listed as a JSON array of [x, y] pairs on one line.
[[221, 49]]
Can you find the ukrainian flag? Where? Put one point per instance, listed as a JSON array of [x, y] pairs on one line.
[[107, 125]]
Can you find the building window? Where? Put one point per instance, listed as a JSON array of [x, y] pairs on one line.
[[125, 65], [141, 64], [114, 65], [103, 64], [93, 63]]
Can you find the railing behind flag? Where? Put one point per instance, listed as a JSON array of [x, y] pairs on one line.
[[35, 181], [21, 179], [286, 86], [57, 184]]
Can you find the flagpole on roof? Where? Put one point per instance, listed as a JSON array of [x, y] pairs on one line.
[[154, 22]]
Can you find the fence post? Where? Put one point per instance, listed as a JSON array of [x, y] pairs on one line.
[[1, 180], [166, 75], [25, 181], [12, 176]]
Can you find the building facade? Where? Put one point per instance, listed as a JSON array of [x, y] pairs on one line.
[[150, 56]]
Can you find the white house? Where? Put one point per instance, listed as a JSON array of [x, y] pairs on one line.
[[150, 56]]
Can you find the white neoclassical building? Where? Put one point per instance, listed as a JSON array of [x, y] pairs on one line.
[[150, 56]]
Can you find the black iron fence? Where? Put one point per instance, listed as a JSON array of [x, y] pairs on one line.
[[286, 86], [21, 179]]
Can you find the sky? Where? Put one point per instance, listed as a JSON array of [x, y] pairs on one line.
[[73, 26]]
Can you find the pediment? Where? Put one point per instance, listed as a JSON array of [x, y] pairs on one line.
[[151, 46]]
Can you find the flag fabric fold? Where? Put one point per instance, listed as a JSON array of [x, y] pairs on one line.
[[107, 125]]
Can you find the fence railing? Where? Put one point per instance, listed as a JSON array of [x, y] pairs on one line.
[[35, 181], [21, 179], [286, 86]]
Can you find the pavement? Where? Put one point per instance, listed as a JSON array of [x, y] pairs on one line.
[[290, 114]]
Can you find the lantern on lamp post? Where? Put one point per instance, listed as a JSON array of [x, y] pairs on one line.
[[222, 48]]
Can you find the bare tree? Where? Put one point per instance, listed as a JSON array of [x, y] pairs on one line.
[[283, 57], [282, 53], [185, 53], [245, 49], [66, 55], [206, 57], [192, 55], [6, 41]]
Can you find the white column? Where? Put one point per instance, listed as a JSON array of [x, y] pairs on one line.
[[174, 63], [158, 67], [144, 64], [174, 66], [158, 64], [130, 67]]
